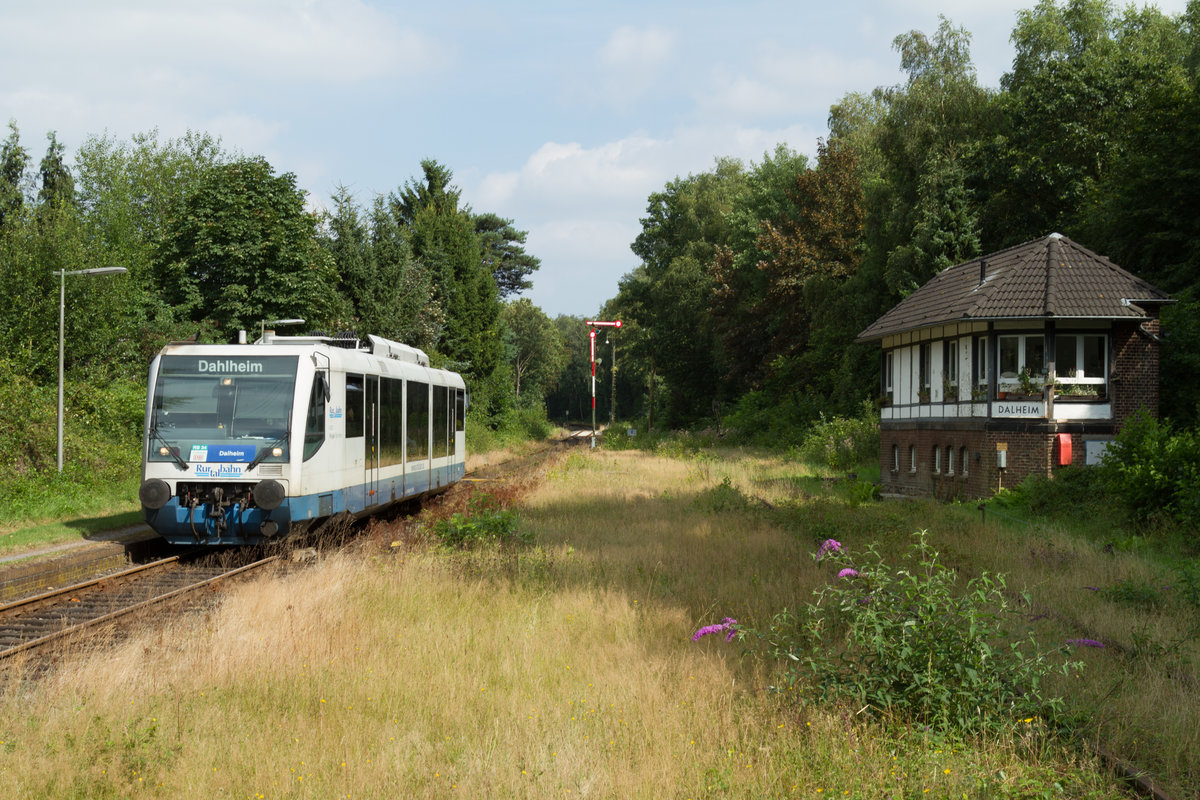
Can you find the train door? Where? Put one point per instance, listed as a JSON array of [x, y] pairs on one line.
[[371, 478]]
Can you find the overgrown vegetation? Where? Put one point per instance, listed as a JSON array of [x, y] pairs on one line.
[[1153, 470], [843, 443], [101, 447], [913, 643], [485, 523], [578, 654]]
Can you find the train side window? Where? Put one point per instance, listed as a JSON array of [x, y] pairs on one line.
[[417, 421], [314, 424], [354, 405], [441, 421], [391, 413]]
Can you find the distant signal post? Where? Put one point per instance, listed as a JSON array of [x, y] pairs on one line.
[[593, 324]]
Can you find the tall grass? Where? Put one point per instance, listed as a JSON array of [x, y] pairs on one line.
[[563, 669]]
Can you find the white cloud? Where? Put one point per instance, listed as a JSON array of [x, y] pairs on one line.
[[582, 261], [147, 64], [320, 40], [633, 60], [780, 82], [582, 205], [630, 48]]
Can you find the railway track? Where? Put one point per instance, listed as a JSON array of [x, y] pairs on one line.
[[34, 623]]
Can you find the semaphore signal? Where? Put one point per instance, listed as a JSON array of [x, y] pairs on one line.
[[593, 324]]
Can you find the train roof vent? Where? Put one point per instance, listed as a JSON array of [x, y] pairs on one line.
[[385, 348], [346, 339]]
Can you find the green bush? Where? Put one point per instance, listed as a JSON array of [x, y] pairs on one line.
[[723, 497], [101, 446], [900, 640], [842, 443], [1071, 492], [762, 418], [514, 425], [486, 523], [1153, 471]]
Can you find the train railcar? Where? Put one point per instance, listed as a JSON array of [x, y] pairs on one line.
[[249, 442]]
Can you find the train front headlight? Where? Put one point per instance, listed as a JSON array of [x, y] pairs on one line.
[[277, 452]]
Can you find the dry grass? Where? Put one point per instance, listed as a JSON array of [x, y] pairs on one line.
[[564, 670]]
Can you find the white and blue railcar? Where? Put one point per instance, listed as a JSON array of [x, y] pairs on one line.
[[248, 442]]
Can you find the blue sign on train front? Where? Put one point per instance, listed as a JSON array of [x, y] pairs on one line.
[[222, 453]]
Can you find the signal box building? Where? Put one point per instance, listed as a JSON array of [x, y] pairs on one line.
[[1014, 364]]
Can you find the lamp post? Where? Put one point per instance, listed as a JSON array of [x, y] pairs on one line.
[[62, 306], [262, 325]]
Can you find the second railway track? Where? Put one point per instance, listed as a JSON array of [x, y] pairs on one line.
[[51, 617]]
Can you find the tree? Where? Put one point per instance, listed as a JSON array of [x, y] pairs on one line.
[[14, 161], [1082, 73], [570, 397], [57, 186], [945, 233], [243, 249], [533, 347], [739, 284], [443, 240], [818, 240], [504, 253], [129, 194], [667, 296]]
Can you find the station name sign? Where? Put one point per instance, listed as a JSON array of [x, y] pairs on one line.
[[1018, 408]]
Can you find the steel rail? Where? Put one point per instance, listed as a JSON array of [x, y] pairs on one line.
[[121, 612], [77, 587]]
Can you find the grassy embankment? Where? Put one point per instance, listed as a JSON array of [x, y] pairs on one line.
[[567, 669]]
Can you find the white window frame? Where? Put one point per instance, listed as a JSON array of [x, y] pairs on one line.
[[1023, 341], [980, 356], [1079, 351]]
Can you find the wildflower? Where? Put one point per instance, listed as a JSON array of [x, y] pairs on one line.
[[726, 624], [848, 572], [828, 546], [1084, 643]]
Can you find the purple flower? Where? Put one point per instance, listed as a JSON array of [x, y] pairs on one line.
[[828, 546], [848, 572], [1085, 643], [725, 625]]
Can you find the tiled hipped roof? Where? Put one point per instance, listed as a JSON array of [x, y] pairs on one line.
[[1047, 278]]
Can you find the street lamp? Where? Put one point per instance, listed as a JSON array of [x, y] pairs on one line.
[[262, 325], [62, 305]]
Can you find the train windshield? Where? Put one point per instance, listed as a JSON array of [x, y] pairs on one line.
[[222, 408]]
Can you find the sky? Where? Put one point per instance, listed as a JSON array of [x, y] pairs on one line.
[[562, 116]]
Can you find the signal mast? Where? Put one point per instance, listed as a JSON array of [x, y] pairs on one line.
[[593, 324]]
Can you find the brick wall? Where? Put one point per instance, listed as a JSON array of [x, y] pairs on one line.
[[925, 480], [1134, 379], [1028, 453]]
